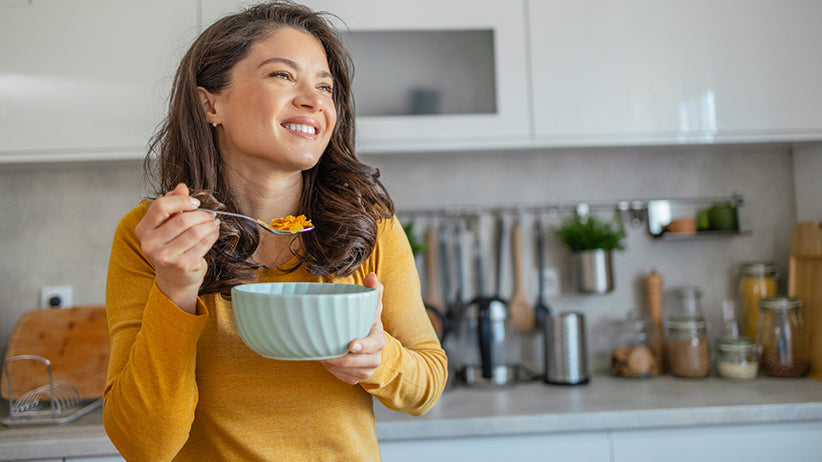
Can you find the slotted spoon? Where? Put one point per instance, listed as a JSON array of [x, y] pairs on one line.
[[246, 217]]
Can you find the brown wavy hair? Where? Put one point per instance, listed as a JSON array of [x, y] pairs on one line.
[[343, 196]]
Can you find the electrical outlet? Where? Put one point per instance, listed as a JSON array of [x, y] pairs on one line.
[[56, 296], [551, 283]]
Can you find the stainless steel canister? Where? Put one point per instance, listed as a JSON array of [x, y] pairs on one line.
[[566, 356]]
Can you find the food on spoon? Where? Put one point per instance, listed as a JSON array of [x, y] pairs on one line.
[[290, 223]]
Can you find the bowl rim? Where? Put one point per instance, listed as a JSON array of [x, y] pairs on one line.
[[357, 289]]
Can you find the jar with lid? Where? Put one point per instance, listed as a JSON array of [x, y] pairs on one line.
[[688, 347], [756, 280], [636, 348], [737, 358], [684, 303], [782, 334]]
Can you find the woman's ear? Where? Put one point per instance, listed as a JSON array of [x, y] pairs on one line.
[[207, 101]]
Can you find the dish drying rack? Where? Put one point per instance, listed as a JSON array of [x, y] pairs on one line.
[[57, 402]]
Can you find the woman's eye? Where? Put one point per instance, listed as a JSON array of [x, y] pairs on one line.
[[281, 75], [326, 88]]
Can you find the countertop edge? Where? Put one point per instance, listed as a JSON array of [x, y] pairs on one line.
[[599, 421]]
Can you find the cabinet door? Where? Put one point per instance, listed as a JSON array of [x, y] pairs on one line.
[[676, 71], [568, 447], [88, 76], [431, 73], [799, 442]]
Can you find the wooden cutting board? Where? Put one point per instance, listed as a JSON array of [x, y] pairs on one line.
[[805, 282], [76, 342]]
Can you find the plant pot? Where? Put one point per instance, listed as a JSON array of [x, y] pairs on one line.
[[594, 271]]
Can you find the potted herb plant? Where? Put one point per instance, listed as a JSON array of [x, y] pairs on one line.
[[591, 241]]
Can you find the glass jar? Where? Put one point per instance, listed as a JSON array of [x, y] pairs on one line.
[[684, 302], [781, 333], [637, 348], [737, 358], [688, 347], [756, 280]]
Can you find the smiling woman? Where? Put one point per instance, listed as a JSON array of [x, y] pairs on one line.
[[260, 122]]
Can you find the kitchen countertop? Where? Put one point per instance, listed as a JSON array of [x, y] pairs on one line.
[[606, 403]]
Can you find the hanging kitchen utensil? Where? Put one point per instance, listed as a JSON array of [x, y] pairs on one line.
[[541, 310], [444, 255], [501, 242], [805, 283], [521, 309], [461, 244], [433, 306]]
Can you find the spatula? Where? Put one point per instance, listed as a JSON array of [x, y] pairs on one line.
[[521, 309]]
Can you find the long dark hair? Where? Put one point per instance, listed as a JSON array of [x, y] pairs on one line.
[[342, 196]]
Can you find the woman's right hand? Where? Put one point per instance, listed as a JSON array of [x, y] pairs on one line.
[[176, 243]]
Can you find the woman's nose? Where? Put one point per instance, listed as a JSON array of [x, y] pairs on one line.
[[309, 99]]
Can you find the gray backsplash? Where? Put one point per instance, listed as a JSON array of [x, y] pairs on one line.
[[58, 220]]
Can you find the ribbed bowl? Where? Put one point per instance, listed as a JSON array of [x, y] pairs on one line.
[[302, 320]]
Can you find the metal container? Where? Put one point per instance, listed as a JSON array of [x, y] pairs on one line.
[[566, 356], [489, 348], [594, 271]]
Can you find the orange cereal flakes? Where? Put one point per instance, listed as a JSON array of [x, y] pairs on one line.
[[291, 223]]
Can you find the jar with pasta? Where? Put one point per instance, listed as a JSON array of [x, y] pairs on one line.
[[688, 347], [756, 281], [783, 337]]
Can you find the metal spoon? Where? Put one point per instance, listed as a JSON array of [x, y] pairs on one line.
[[245, 217]]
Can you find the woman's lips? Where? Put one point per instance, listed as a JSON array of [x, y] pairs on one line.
[[302, 126]]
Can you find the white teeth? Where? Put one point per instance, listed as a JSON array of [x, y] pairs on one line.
[[301, 128]]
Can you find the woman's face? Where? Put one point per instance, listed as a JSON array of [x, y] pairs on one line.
[[278, 107]]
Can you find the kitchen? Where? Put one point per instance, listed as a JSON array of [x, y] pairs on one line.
[[613, 143]]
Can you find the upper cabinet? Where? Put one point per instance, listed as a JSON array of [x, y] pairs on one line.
[[431, 74], [691, 71], [87, 79]]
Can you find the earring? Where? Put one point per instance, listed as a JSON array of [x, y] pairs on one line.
[[215, 124]]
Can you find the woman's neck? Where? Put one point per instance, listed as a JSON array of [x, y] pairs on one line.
[[265, 194]]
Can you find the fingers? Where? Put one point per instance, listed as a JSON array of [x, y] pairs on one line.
[[365, 354]]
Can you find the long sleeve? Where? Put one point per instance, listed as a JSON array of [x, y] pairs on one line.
[[151, 392], [414, 368]]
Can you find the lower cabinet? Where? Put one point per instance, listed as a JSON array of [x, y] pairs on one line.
[[561, 447], [798, 442], [794, 442]]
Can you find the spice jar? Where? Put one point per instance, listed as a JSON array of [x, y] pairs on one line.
[[737, 358], [781, 333], [756, 280], [636, 343], [688, 347]]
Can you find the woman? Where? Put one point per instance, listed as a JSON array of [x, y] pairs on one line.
[[261, 123]]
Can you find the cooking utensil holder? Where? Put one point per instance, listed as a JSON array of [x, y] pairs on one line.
[[64, 400]]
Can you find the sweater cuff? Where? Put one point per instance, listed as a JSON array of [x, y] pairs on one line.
[[169, 321], [388, 367]]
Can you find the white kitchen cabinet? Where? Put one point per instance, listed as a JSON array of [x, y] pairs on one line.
[[796, 442], [677, 71], [87, 79], [563, 447], [466, 57]]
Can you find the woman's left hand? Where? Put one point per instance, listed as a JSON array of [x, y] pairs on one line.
[[364, 354]]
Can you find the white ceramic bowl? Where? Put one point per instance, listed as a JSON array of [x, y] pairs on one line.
[[302, 320]]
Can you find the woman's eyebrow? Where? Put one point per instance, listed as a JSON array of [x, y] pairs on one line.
[[293, 64]]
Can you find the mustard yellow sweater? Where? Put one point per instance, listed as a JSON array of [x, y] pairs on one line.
[[185, 387]]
